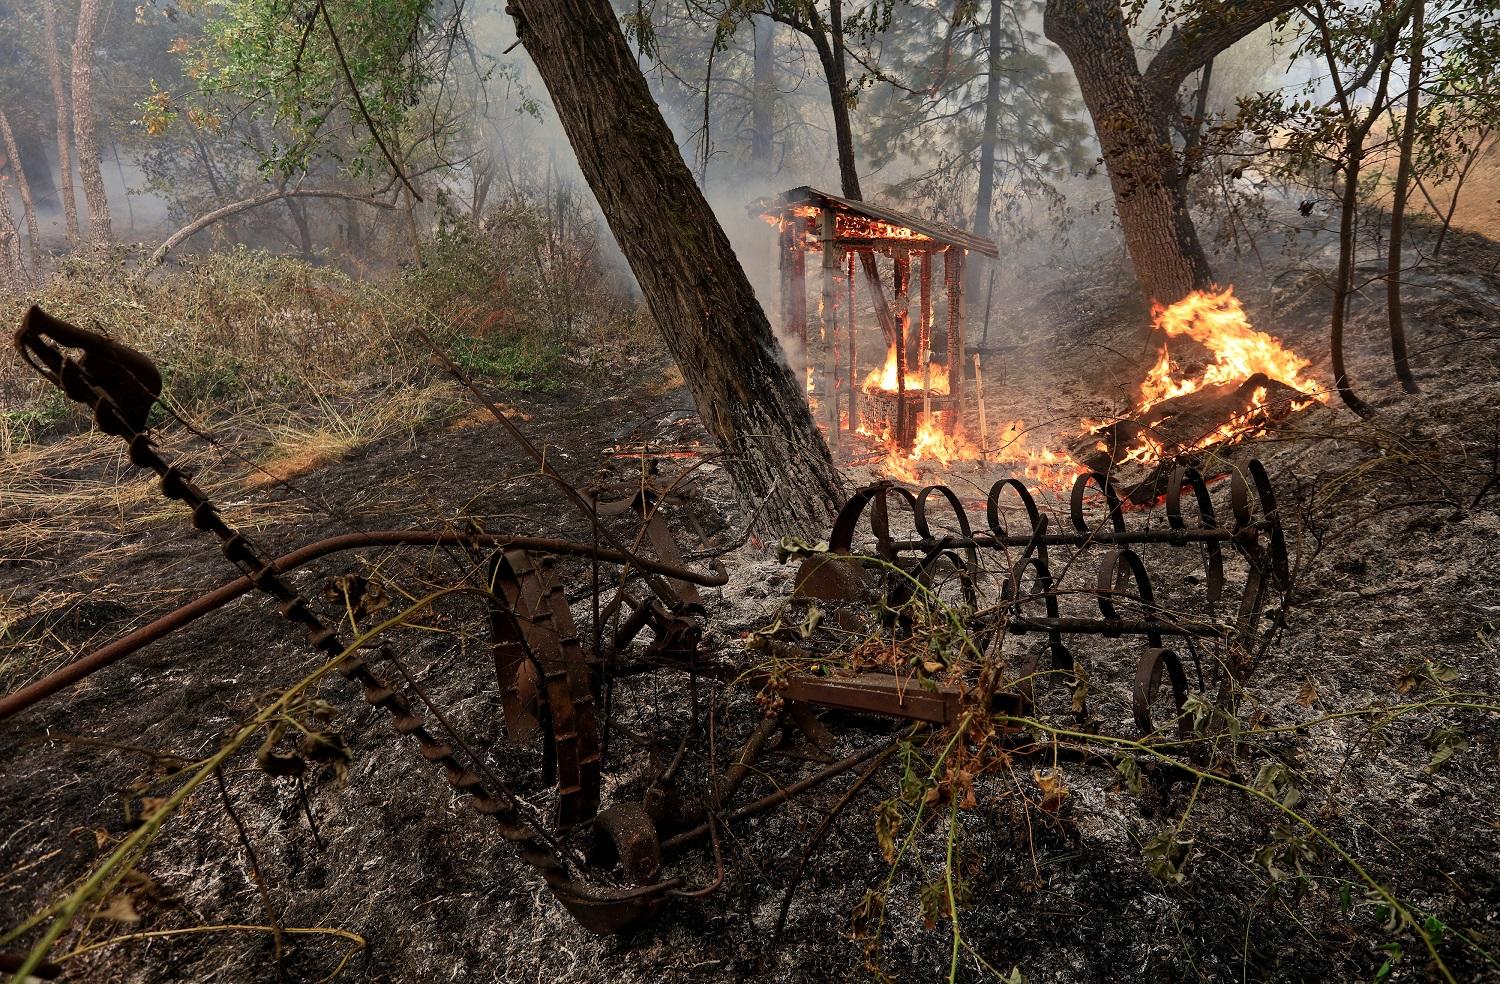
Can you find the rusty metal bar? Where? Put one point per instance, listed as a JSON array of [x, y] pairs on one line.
[[14, 703]]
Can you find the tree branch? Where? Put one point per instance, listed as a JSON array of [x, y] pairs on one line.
[[204, 221], [1212, 31]]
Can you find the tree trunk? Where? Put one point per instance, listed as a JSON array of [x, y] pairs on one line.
[[64, 124], [762, 115], [33, 234], [984, 202], [696, 290], [11, 264], [829, 44], [85, 127], [1398, 208], [1343, 277], [1134, 134]]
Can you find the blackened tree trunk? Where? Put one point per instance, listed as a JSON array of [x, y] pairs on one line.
[[85, 126], [1132, 113], [698, 294], [984, 204], [827, 38], [64, 121]]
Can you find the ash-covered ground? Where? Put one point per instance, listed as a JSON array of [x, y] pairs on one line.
[[1396, 604]]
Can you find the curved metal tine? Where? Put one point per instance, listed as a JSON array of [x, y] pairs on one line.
[[1028, 502], [1207, 520], [924, 528], [1111, 498], [1147, 682], [1271, 518], [1111, 584]]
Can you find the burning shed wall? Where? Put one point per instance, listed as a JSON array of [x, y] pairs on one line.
[[848, 234]]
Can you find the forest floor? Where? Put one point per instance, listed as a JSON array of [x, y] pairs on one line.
[[1376, 702]]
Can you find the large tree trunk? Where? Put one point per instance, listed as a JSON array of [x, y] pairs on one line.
[[23, 187], [64, 124], [697, 292], [85, 127], [1134, 134]]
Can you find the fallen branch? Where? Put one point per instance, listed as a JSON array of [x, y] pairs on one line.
[[204, 221]]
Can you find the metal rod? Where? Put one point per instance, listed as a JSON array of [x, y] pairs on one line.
[[113, 652], [1174, 537]]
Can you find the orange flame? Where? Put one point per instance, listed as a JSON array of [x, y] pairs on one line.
[[1219, 324], [884, 378]]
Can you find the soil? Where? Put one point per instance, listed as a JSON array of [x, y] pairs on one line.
[[1395, 601]]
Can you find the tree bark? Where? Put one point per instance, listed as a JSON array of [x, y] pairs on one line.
[[698, 294], [11, 264], [85, 127], [1398, 208], [64, 123], [984, 200], [33, 233], [1132, 113], [828, 41], [1135, 136]]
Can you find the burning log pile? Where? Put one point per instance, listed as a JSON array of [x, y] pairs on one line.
[[608, 863]]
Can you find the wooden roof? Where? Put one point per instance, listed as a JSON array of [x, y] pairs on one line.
[[937, 231]]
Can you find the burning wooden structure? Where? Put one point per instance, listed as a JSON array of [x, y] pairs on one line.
[[899, 401]]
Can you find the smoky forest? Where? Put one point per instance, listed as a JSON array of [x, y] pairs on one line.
[[711, 490]]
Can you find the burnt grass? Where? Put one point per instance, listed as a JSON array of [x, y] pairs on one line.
[[1396, 601]]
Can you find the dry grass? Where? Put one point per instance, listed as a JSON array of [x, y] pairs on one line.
[[328, 432]]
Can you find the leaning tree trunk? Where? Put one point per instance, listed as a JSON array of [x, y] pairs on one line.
[[64, 125], [696, 290], [1134, 134], [23, 187], [85, 127]]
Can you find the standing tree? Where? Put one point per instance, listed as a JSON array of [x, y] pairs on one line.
[[85, 126], [64, 122], [693, 283], [1133, 111], [23, 187]]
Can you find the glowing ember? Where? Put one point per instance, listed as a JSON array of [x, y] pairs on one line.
[[806, 219]]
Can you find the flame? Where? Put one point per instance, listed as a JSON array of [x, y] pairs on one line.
[[1218, 323], [1214, 319], [807, 220], [885, 377]]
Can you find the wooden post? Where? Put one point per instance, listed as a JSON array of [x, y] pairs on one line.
[[984, 420], [953, 279], [785, 265], [853, 355], [924, 334], [828, 317], [797, 328], [903, 319]]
